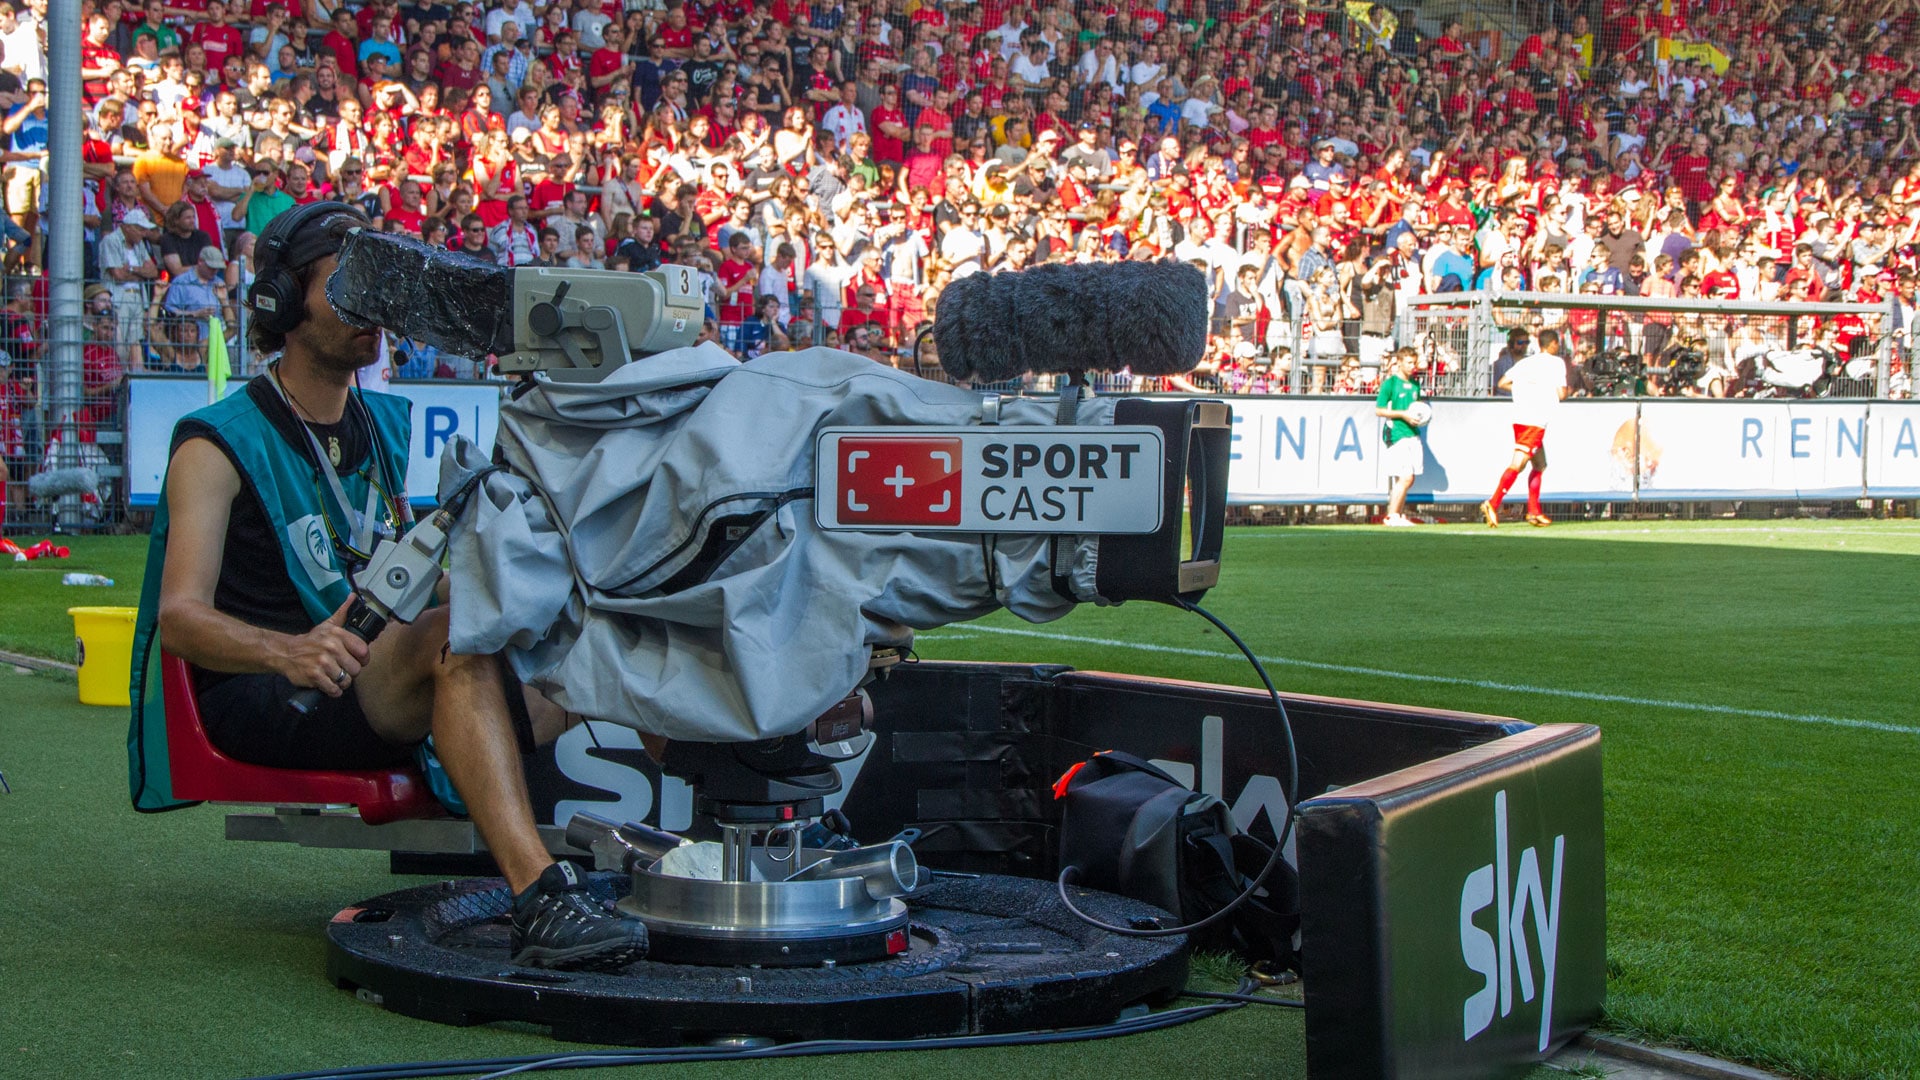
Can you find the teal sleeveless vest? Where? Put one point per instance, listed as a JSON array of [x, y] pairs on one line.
[[289, 488]]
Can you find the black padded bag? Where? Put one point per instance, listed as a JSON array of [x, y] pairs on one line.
[[1127, 827]]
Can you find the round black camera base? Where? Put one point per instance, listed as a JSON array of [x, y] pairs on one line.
[[987, 955]]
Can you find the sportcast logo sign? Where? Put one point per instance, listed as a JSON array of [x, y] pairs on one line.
[[1014, 479]]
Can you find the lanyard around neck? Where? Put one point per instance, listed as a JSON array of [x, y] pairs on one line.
[[361, 522]]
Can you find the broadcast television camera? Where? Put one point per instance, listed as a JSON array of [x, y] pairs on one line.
[[1615, 373], [630, 469], [1684, 365]]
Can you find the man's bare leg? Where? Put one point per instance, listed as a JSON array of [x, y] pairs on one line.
[[412, 687], [473, 737], [1397, 496]]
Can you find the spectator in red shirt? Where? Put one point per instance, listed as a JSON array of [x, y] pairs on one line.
[[609, 67], [940, 121], [674, 41], [463, 71], [220, 41], [737, 275], [343, 42], [925, 169], [863, 312], [1690, 174], [409, 209], [98, 59]]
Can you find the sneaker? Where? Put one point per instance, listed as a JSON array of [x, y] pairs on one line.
[[1397, 521], [1493, 516], [1539, 521], [558, 924]]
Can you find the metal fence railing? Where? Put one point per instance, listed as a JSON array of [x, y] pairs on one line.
[[127, 327], [1636, 346]]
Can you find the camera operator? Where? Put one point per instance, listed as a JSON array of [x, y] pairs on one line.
[[1683, 371], [284, 469], [1615, 373], [1376, 296], [1519, 345]]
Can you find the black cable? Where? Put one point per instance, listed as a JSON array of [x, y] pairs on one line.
[[456, 503], [1280, 834], [496, 1068], [1250, 999]]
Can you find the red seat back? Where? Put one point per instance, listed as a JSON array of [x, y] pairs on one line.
[[202, 772]]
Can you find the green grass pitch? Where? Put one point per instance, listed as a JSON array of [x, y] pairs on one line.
[[1754, 680]]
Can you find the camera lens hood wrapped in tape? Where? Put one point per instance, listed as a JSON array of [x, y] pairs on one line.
[[454, 302]]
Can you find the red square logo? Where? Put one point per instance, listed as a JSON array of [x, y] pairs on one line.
[[899, 481]]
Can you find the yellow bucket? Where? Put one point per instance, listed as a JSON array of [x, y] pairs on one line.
[[103, 646]]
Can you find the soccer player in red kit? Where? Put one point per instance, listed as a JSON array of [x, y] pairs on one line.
[[1538, 383]]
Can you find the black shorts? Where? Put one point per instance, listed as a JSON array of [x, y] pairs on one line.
[[247, 718]]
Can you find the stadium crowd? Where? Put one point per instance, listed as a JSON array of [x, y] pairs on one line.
[[830, 167]]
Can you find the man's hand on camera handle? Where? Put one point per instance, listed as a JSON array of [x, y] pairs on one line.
[[327, 657]]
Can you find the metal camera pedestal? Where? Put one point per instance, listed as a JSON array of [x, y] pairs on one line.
[[776, 923]]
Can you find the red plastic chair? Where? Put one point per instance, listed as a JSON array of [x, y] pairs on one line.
[[203, 773]]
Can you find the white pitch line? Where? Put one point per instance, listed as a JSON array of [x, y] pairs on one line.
[[1454, 680]]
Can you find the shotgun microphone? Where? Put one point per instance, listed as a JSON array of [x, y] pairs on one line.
[[1147, 317]]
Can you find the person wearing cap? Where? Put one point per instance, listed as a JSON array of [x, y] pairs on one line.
[[181, 314], [1202, 104], [145, 60], [227, 180], [1323, 170], [128, 262], [376, 76], [1086, 151]]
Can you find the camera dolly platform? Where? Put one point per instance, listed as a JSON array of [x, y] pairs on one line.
[[981, 954], [783, 908]]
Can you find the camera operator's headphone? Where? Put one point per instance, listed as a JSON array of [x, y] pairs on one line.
[[277, 302]]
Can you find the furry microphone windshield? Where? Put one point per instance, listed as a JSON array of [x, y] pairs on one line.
[[54, 483], [1147, 317], [454, 302]]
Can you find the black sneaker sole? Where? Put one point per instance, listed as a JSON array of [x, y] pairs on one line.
[[599, 957]]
